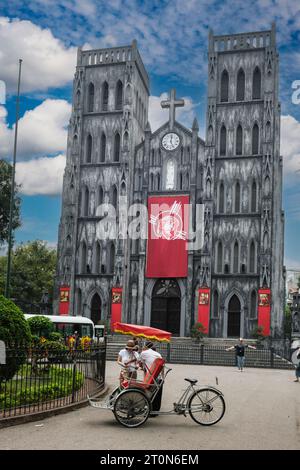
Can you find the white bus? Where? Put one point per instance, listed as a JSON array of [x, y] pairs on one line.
[[68, 325]]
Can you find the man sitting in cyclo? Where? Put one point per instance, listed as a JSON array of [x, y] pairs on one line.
[[147, 357], [128, 358]]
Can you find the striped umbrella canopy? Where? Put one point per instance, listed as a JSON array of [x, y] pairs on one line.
[[141, 331]]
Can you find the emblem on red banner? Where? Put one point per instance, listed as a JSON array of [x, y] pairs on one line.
[[168, 224]]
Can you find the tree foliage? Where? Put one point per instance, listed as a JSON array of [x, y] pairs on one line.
[[5, 194], [32, 273], [40, 326], [15, 332]]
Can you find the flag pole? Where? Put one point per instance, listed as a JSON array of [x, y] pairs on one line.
[[12, 190]]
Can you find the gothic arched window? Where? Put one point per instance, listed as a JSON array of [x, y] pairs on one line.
[[253, 304], [237, 200], [85, 202], [105, 96], [78, 301], [97, 259], [158, 181], [255, 139], [223, 141], [256, 84], [221, 198], [220, 257], [224, 86], [100, 195], [215, 304], [89, 148], [239, 140], [253, 197], [236, 257], [252, 257], [103, 147], [117, 148], [83, 258], [91, 96], [114, 197], [240, 86], [112, 253], [119, 95]]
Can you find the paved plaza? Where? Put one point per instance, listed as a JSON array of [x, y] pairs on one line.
[[263, 412]]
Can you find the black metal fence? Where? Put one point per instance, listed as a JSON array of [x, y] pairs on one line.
[[204, 354], [32, 381]]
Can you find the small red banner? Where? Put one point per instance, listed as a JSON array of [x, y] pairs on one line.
[[204, 307], [167, 254], [64, 300], [264, 310], [116, 306]]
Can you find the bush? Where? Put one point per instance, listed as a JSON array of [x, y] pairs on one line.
[[56, 336], [15, 333], [59, 385], [40, 326], [198, 331], [257, 333]]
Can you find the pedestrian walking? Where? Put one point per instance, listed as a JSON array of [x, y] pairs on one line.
[[240, 353]]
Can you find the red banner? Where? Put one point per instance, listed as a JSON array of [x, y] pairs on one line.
[[204, 307], [167, 254], [64, 300], [264, 310], [116, 306]]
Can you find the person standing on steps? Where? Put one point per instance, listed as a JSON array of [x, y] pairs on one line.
[[240, 353]]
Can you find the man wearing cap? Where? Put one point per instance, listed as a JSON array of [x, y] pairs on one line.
[[128, 359]]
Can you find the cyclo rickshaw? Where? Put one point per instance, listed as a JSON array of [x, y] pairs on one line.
[[132, 401]]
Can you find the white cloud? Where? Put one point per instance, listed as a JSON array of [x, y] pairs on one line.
[[158, 116], [47, 62], [41, 176], [42, 130], [290, 149]]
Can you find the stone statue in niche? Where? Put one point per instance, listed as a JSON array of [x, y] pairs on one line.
[[170, 178]]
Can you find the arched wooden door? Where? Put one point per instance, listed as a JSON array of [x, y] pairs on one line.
[[234, 317], [96, 309], [166, 306]]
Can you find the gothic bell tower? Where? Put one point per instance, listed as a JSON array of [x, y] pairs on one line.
[[109, 113]]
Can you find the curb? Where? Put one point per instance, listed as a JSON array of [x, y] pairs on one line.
[[14, 420]]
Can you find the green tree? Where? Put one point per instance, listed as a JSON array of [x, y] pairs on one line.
[[32, 274], [15, 332], [40, 326], [5, 193]]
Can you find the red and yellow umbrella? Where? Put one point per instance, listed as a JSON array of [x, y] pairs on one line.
[[142, 332]]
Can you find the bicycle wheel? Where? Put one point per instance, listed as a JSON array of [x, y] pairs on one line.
[[132, 408], [206, 406]]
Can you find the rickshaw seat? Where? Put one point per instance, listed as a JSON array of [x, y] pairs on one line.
[[149, 378]]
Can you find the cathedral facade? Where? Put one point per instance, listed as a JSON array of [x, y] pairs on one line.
[[232, 283]]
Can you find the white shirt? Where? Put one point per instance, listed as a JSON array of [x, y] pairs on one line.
[[148, 357], [127, 356]]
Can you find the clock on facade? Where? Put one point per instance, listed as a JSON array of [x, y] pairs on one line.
[[170, 141]]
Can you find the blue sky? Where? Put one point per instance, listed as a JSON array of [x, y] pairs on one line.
[[172, 38]]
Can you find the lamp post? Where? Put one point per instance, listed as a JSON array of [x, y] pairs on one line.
[[12, 191]]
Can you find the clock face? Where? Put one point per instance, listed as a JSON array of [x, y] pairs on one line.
[[170, 141]]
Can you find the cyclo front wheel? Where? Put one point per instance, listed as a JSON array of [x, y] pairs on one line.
[[132, 408], [206, 406]]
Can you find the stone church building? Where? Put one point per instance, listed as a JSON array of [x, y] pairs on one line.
[[234, 282]]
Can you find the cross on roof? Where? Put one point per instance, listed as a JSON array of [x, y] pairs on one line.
[[172, 103]]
